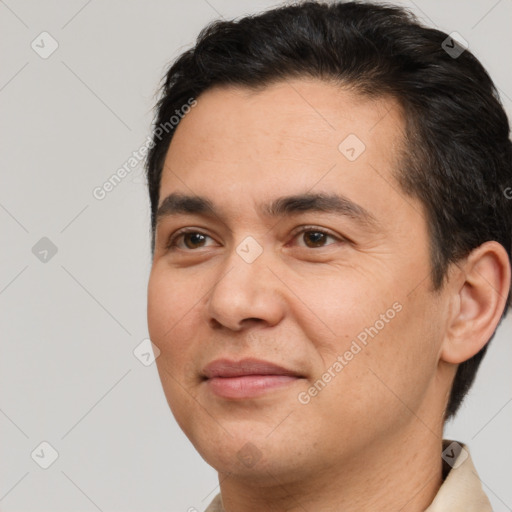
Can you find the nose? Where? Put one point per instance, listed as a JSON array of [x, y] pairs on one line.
[[245, 292]]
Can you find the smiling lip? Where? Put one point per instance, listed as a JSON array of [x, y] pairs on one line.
[[246, 378]]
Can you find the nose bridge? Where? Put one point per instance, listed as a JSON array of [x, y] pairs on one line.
[[246, 289], [247, 259]]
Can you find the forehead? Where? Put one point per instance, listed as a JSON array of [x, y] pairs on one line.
[[317, 104], [293, 135]]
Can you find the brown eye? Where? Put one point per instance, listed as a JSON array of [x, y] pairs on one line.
[[191, 240], [315, 238]]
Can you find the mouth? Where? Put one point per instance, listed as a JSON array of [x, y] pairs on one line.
[[247, 378]]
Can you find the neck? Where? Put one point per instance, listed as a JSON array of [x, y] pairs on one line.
[[402, 472]]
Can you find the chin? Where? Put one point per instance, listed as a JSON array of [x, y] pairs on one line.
[[256, 457]]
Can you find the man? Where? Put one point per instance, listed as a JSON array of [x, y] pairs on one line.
[[331, 256]]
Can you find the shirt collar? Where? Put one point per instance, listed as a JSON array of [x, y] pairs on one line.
[[461, 490]]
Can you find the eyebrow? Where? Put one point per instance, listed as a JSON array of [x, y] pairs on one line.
[[177, 203]]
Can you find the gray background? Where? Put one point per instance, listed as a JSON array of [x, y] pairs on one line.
[[69, 325]]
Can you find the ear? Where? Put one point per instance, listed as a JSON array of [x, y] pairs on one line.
[[480, 289]]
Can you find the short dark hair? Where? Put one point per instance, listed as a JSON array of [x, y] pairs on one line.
[[458, 156]]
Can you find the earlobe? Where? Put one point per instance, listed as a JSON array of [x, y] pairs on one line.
[[480, 291]]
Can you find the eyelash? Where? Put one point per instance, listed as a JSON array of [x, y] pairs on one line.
[[172, 242]]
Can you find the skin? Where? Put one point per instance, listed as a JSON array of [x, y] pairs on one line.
[[371, 438]]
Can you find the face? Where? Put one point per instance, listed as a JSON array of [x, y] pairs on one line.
[[331, 285]]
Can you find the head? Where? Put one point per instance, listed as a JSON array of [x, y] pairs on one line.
[[313, 101]]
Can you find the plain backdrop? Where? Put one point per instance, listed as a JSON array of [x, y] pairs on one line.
[[74, 269]]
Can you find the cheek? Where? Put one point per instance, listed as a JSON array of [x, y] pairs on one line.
[[171, 329], [344, 307], [170, 300], [385, 377], [171, 321], [402, 359], [384, 336]]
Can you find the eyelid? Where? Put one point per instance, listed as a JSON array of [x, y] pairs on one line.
[[302, 229], [171, 242]]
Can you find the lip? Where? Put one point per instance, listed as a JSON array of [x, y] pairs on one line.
[[246, 378], [226, 368]]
